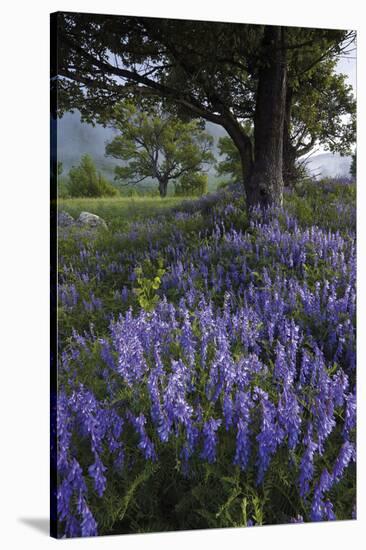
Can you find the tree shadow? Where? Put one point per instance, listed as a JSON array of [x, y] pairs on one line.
[[40, 524]]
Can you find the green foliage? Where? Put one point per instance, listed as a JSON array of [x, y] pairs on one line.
[[321, 106], [148, 471], [231, 165], [323, 110], [62, 187], [223, 184], [325, 203], [85, 181], [148, 283], [191, 184]]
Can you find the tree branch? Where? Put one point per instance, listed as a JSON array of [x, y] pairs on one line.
[[150, 86]]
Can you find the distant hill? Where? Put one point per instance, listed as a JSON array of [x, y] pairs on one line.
[[329, 165]]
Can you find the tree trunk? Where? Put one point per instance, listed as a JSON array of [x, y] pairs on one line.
[[163, 187], [265, 185]]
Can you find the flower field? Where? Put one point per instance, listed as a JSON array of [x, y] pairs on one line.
[[207, 366]]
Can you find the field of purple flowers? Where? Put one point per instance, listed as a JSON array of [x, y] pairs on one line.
[[207, 367]]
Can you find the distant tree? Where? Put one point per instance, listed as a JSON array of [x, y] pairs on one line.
[[353, 168], [60, 168], [86, 181], [191, 184], [157, 145]]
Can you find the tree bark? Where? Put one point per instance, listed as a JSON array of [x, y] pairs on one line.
[[265, 184], [163, 187]]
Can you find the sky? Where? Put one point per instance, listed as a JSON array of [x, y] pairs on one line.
[[348, 66]]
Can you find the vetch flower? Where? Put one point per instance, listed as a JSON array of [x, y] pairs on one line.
[[210, 428]]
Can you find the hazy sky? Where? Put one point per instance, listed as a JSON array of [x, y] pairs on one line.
[[347, 65]]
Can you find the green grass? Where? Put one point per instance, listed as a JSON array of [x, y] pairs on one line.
[[119, 211]]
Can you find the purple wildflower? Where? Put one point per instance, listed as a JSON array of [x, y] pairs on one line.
[[88, 523], [307, 463], [270, 435], [350, 414], [210, 428], [289, 418], [318, 506], [145, 443], [96, 471], [346, 455]]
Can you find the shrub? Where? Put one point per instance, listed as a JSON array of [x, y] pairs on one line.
[[192, 184], [85, 181]]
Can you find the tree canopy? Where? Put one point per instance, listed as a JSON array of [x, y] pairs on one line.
[[225, 73], [320, 110]]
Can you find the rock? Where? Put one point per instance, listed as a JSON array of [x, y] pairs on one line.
[[91, 220], [64, 219]]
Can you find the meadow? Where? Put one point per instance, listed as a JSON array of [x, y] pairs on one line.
[[207, 362], [118, 211]]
